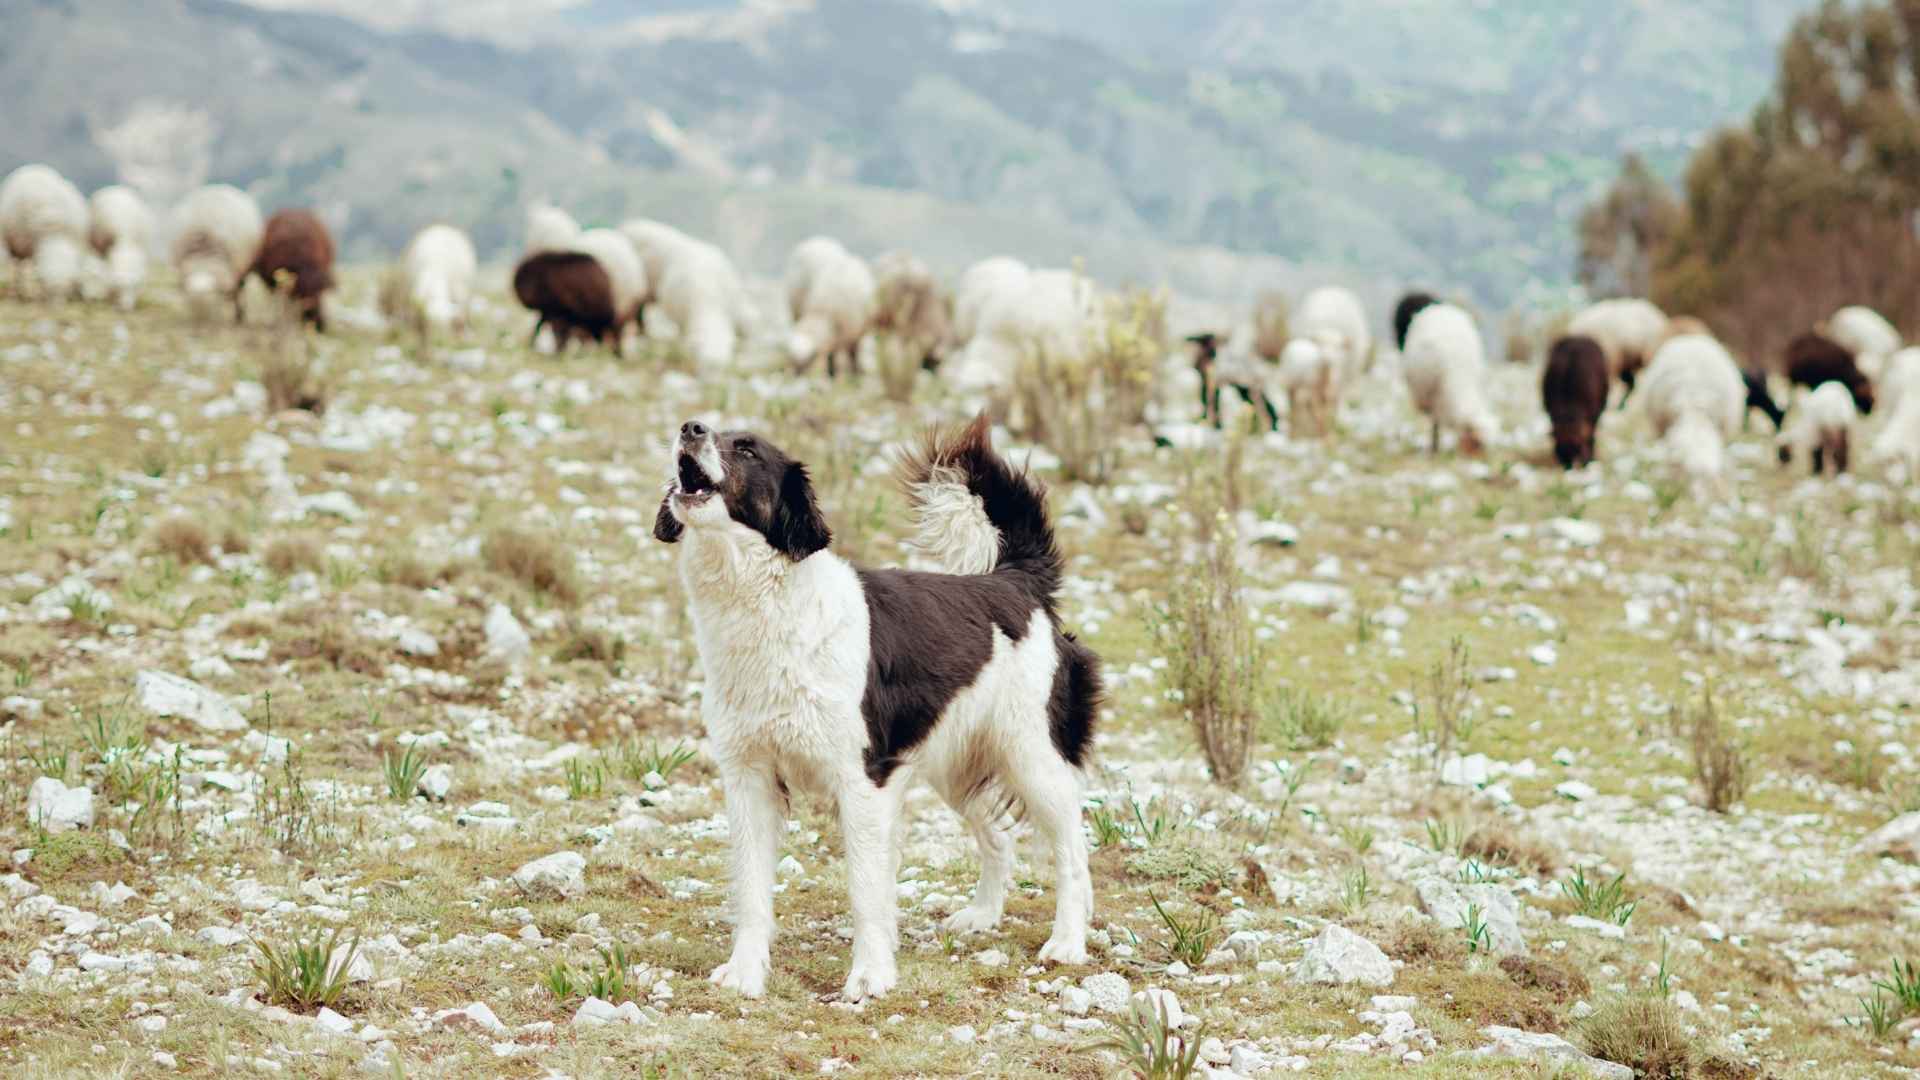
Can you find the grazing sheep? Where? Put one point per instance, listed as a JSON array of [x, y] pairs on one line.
[[439, 266], [1240, 370], [910, 307], [296, 244], [572, 293], [1404, 312], [120, 229], [830, 295], [702, 294], [1822, 428], [615, 254], [1629, 332], [656, 243], [1574, 390], [1269, 326], [1335, 319], [1310, 373], [1694, 397], [1866, 334], [1017, 314], [1759, 397], [216, 234], [43, 221], [980, 285], [1898, 443], [1444, 365], [550, 228], [1813, 359]]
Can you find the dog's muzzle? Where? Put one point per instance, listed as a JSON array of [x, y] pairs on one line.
[[697, 469]]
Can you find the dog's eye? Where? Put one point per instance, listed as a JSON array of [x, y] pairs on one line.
[[746, 452]]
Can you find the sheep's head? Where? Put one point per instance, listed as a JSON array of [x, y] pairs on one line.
[[1206, 347], [1573, 443]]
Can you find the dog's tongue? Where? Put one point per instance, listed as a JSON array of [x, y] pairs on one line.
[[693, 479]]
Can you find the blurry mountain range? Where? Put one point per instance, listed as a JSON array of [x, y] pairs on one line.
[[1220, 146]]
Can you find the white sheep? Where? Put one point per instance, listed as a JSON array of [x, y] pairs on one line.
[[1309, 374], [43, 221], [1897, 446], [615, 254], [1694, 397], [1445, 367], [830, 296], [701, 292], [1822, 428], [1628, 331], [978, 285], [1019, 315], [1336, 319], [120, 229], [550, 228], [1865, 333], [439, 268], [656, 242], [216, 233]]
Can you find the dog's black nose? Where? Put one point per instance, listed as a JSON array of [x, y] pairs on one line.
[[693, 429]]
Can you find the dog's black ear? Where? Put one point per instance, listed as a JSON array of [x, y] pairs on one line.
[[666, 527], [799, 529]]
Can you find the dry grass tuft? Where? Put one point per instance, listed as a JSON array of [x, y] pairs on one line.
[[1719, 759], [288, 555], [1076, 403], [1499, 842], [537, 561], [184, 539], [407, 570], [1643, 1033], [1563, 985]]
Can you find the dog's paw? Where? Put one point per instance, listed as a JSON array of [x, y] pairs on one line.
[[744, 975], [971, 920], [1060, 950], [869, 980]]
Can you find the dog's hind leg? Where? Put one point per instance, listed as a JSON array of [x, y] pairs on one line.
[[996, 867], [753, 819], [870, 827], [1050, 788]]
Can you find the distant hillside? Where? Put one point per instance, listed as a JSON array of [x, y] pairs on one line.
[[1215, 146]]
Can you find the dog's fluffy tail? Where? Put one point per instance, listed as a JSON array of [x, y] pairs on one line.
[[974, 513]]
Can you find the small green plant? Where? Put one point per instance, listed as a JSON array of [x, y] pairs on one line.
[[1304, 720], [1356, 889], [306, 974], [585, 779], [1479, 937], [1719, 760], [1445, 835], [1474, 872], [1441, 720], [1357, 836], [559, 981], [1878, 1015], [1157, 829], [1596, 899], [1663, 975], [1148, 1046], [1189, 942], [1904, 985], [632, 761], [1109, 830], [1215, 659], [610, 982], [403, 773], [1486, 510], [1293, 779]]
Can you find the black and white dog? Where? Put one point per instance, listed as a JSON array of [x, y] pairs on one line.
[[853, 682]]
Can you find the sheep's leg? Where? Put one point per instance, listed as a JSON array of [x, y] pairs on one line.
[[1819, 460], [1841, 453], [832, 365], [1626, 379], [1433, 441], [1273, 414], [533, 339], [1213, 408]]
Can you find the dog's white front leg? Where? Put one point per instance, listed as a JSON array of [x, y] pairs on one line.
[[869, 821], [753, 819]]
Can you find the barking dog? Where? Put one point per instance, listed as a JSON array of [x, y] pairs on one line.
[[854, 682]]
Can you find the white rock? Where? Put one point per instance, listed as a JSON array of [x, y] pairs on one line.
[[58, 808], [962, 1034], [1074, 1001], [220, 936], [1340, 957], [1315, 595], [152, 1023], [1154, 1000], [416, 642], [332, 1022], [789, 867], [20, 708], [1575, 790], [210, 667], [992, 958], [1535, 1046], [1109, 990], [558, 876], [593, 1011], [165, 1060], [1575, 532], [93, 961], [170, 695], [506, 638], [1474, 770], [1544, 654], [1899, 838], [476, 1015], [1597, 926], [1450, 902], [436, 782]]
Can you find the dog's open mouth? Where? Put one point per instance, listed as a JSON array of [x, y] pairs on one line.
[[694, 483]]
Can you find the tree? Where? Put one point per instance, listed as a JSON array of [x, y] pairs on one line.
[[1621, 235]]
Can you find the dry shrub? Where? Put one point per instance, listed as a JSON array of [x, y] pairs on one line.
[[1076, 401], [595, 643], [912, 313], [1270, 329], [1644, 1033], [1499, 842], [184, 539], [406, 570], [1563, 985], [1719, 759], [537, 561], [288, 555]]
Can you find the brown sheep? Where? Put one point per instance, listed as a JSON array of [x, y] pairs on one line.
[[570, 291], [1813, 359], [295, 245], [1206, 357], [1574, 389], [910, 306]]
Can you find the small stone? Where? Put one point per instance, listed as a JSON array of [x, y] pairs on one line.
[[992, 958], [1534, 1046], [220, 936], [416, 642], [1109, 990], [789, 867], [436, 782], [1074, 1001], [962, 1034], [332, 1022], [1153, 1001], [506, 638], [476, 1016], [170, 695], [557, 876], [152, 1023], [1575, 532], [165, 1060], [1899, 839], [593, 1011], [58, 808], [1575, 791], [1340, 957]]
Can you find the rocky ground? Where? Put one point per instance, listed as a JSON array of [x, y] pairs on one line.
[[412, 678]]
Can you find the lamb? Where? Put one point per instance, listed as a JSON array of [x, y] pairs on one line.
[[1694, 397], [625, 272], [830, 295], [296, 247], [1822, 428], [1898, 443], [1334, 318], [1813, 359], [549, 228], [1574, 390], [1404, 312], [216, 234], [1866, 334], [1629, 332], [43, 221], [1240, 370], [910, 308], [1759, 397], [439, 267], [571, 292], [120, 228], [1444, 365]]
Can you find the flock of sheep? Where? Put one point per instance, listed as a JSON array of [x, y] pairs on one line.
[[594, 284]]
